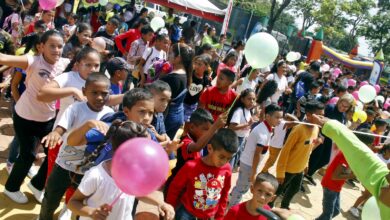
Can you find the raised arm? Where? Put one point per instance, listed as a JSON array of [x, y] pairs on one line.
[[14, 61]]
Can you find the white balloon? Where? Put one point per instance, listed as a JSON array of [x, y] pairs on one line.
[[359, 105], [261, 50], [380, 98], [59, 2], [371, 210], [157, 23], [103, 2], [367, 93]]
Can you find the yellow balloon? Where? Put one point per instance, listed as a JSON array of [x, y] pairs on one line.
[[362, 116], [355, 116]]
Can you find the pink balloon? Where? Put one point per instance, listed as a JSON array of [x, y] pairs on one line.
[[377, 88], [333, 100], [47, 4], [363, 83], [139, 166], [355, 94], [351, 82]]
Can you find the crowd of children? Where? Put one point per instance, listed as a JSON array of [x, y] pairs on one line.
[[213, 115]]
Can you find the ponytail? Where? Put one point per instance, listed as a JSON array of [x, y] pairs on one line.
[[80, 56]]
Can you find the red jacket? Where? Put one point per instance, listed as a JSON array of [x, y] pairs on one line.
[[201, 189], [130, 36]]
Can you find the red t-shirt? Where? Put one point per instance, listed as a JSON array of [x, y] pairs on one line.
[[215, 102], [184, 149], [201, 189], [327, 181], [239, 212], [130, 36]]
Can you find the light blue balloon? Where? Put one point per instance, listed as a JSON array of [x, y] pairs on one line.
[[261, 50]]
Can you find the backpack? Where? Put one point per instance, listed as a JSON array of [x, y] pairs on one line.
[[156, 69], [7, 26], [299, 89]]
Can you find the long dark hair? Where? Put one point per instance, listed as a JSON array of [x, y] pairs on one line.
[[239, 104], [81, 27], [119, 132], [187, 54], [80, 56], [267, 91]]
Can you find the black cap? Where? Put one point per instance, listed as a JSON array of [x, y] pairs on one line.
[[117, 63]]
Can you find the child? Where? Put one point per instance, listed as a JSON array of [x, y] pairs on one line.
[[264, 97], [263, 190], [118, 68], [109, 31], [200, 189], [379, 128], [47, 16], [228, 63], [248, 80], [200, 130], [200, 81], [33, 119], [152, 54], [218, 99], [371, 114], [66, 171], [30, 40], [138, 46], [97, 188], [240, 120], [335, 176], [70, 28], [255, 147], [79, 39], [295, 154], [313, 93]]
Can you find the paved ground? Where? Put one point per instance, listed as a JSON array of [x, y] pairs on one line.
[[308, 204]]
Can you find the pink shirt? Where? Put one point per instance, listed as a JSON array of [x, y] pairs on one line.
[[39, 73], [222, 66]]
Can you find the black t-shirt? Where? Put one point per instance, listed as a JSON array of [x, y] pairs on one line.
[[177, 82], [5, 11], [195, 89]]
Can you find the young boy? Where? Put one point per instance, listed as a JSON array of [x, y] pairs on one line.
[[65, 173], [200, 189], [295, 154], [109, 31], [117, 68], [255, 147], [310, 96], [263, 190], [336, 174], [218, 99]]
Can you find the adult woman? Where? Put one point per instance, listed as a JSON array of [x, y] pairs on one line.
[[281, 80], [321, 155], [180, 56]]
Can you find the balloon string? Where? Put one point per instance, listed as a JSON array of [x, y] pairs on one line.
[[356, 132], [116, 199]]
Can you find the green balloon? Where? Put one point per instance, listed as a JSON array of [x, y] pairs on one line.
[[261, 50], [370, 210], [295, 217]]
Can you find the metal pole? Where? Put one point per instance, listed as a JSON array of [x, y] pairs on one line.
[[247, 26]]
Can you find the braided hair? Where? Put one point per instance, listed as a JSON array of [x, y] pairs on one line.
[[119, 132]]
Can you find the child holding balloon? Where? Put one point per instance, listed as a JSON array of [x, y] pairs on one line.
[[97, 189], [200, 189]]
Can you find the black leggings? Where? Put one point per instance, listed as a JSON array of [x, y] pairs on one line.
[[320, 157], [29, 133], [290, 187]]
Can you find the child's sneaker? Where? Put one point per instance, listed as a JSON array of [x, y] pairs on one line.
[[17, 196], [65, 214], [37, 194], [355, 212], [32, 172]]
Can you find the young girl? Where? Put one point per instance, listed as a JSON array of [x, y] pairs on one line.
[[264, 98], [240, 120], [152, 54], [79, 39], [34, 119], [199, 82], [247, 80], [229, 62], [180, 57], [98, 189]]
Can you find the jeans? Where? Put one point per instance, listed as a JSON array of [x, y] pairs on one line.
[[291, 185], [183, 214], [330, 204], [175, 117], [242, 186], [236, 158], [57, 183], [29, 133], [13, 150]]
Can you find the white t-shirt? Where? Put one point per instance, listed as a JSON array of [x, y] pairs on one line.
[[74, 116], [282, 84], [246, 84], [68, 79], [259, 136], [101, 189], [241, 116], [150, 55], [383, 159], [278, 135], [38, 74]]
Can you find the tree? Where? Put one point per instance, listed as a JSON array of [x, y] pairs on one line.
[[275, 12], [305, 9], [258, 7]]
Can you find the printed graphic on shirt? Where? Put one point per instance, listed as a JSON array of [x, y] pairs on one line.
[[207, 191], [216, 108], [195, 89], [44, 73]]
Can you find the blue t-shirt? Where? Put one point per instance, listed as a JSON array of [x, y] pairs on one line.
[[158, 123], [115, 89]]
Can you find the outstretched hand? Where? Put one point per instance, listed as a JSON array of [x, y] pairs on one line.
[[320, 120]]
